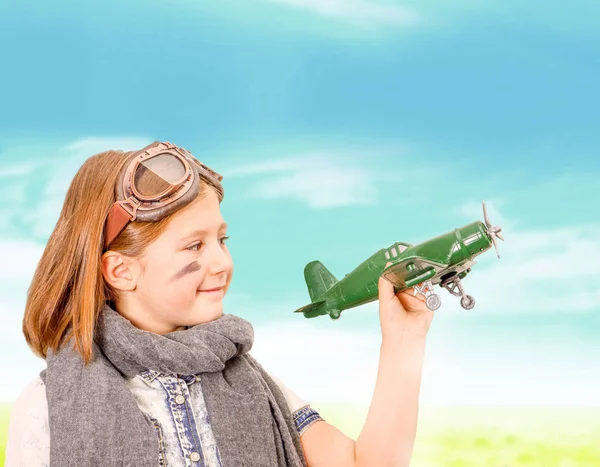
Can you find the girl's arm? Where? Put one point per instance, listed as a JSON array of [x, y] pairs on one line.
[[388, 436]]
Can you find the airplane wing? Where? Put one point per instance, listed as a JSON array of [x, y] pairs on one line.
[[411, 271]]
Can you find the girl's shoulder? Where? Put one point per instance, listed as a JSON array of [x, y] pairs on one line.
[[31, 401], [294, 401], [28, 440]]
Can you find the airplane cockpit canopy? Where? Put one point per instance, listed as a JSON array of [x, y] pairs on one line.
[[395, 250]]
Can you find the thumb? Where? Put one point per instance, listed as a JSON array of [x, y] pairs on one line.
[[385, 289]]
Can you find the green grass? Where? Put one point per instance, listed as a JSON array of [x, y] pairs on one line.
[[4, 416], [471, 437], [493, 437]]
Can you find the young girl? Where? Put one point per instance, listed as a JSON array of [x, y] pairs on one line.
[[143, 367]]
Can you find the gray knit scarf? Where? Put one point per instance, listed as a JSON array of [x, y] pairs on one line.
[[94, 418]]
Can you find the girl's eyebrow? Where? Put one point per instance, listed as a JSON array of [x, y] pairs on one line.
[[199, 232], [192, 267]]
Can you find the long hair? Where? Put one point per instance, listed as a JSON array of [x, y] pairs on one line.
[[68, 289]]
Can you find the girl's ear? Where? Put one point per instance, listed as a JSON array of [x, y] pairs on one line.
[[119, 271]]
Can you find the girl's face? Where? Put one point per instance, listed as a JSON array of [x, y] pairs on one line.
[[185, 273]]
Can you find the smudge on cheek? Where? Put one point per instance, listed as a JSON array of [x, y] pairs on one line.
[[190, 268]]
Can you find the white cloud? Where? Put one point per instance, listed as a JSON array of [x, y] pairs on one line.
[[21, 364], [19, 259], [272, 166], [16, 170], [319, 363], [364, 11], [87, 147], [320, 180], [325, 365]]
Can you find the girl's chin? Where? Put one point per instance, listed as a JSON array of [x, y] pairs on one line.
[[202, 317], [208, 311]]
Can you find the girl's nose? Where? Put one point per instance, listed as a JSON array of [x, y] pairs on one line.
[[219, 261]]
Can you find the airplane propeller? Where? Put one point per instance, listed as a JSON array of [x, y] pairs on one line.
[[492, 231]]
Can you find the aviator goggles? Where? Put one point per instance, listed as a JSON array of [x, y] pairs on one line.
[[153, 183]]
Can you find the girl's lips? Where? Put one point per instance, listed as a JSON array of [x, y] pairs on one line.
[[216, 289], [215, 295]]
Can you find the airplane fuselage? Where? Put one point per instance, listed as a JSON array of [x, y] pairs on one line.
[[452, 252]]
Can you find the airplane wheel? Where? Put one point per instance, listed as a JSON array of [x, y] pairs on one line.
[[334, 314], [433, 301], [467, 302]]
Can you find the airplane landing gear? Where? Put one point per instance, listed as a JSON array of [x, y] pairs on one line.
[[453, 285], [432, 300], [467, 302]]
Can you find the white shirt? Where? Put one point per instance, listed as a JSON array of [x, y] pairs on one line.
[[28, 443]]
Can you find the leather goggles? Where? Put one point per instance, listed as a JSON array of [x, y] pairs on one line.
[[153, 183]]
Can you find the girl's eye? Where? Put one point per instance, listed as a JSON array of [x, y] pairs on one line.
[[196, 246]]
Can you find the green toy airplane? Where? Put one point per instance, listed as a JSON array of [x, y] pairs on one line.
[[443, 260]]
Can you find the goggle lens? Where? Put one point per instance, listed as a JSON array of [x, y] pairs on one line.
[[156, 175]]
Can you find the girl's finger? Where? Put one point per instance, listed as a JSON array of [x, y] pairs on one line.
[[386, 290]]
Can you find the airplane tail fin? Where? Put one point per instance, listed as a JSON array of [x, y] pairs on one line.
[[318, 280]]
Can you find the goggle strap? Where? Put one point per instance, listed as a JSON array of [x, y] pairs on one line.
[[118, 217], [211, 172]]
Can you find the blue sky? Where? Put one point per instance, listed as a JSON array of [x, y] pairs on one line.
[[340, 127]]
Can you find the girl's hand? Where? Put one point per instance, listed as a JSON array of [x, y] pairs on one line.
[[402, 311]]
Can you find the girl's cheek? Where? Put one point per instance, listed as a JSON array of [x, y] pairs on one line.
[[177, 303], [180, 294]]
